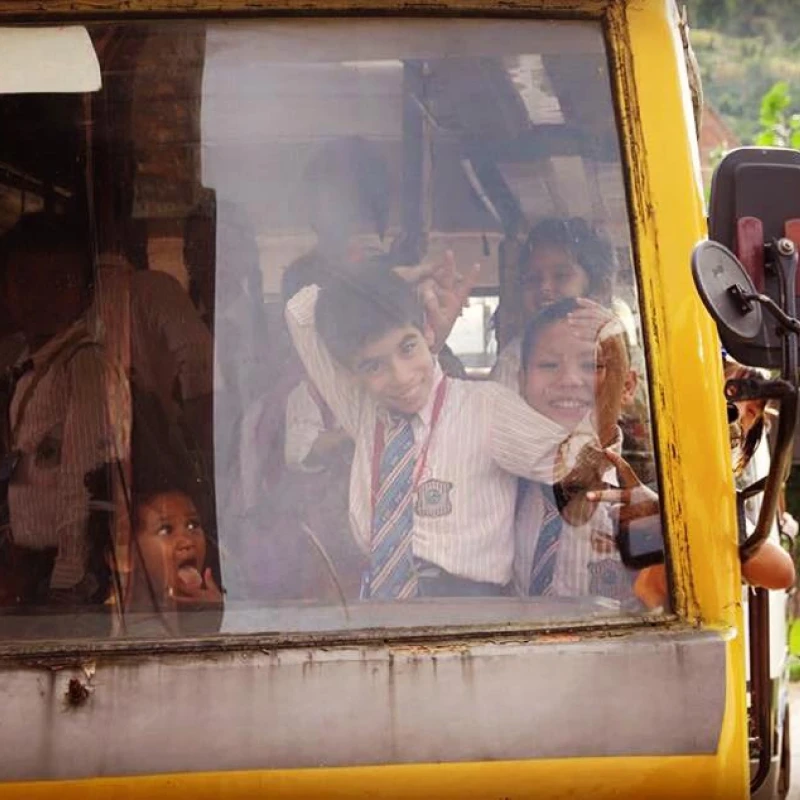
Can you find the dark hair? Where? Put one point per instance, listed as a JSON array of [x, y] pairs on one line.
[[752, 438], [591, 251], [548, 316], [42, 231], [363, 306], [144, 498]]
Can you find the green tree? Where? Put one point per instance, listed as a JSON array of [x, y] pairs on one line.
[[780, 127]]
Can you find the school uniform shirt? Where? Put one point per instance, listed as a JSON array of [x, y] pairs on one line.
[[304, 424], [146, 320], [587, 560], [506, 369], [59, 424], [484, 437]]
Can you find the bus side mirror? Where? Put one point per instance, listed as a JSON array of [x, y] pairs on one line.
[[727, 291], [754, 205]]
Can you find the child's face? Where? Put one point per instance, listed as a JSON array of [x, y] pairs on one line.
[[551, 275], [397, 369], [172, 542], [750, 412], [567, 377]]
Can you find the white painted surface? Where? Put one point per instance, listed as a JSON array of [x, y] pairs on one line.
[[60, 59], [642, 694]]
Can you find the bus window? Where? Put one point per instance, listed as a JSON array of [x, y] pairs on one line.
[[364, 326]]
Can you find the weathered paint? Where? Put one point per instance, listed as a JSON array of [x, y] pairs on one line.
[[661, 693], [117, 8], [683, 348]]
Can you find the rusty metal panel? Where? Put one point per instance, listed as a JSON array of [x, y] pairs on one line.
[[660, 694]]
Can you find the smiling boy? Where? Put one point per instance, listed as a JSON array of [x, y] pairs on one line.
[[575, 382], [433, 484]]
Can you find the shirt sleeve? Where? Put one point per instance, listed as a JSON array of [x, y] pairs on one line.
[[522, 441], [506, 368], [304, 424], [179, 326], [334, 384], [85, 446]]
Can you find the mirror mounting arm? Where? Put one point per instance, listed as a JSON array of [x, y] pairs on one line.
[[785, 254], [780, 464], [730, 296], [768, 303]]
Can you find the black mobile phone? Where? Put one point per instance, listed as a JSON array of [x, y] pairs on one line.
[[641, 542]]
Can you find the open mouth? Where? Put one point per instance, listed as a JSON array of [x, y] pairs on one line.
[[188, 571]]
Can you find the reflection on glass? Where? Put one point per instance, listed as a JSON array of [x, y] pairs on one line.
[[425, 442]]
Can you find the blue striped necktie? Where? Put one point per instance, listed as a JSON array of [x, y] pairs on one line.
[[546, 553], [392, 573]]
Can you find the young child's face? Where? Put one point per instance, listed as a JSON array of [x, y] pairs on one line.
[[172, 542], [750, 412], [567, 377], [397, 369], [551, 275]]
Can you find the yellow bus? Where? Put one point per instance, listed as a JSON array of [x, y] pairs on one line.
[[186, 517]]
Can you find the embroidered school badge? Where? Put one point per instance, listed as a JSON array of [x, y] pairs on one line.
[[433, 498], [609, 578]]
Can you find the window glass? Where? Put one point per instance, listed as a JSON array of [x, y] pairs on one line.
[[322, 324]]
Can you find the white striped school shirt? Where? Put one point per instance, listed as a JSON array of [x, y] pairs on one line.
[[485, 436], [583, 550], [149, 315], [304, 424], [63, 434]]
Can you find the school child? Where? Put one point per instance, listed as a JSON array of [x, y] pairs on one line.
[[566, 547], [172, 572], [433, 483], [561, 258]]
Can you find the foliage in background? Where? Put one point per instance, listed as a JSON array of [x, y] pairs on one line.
[[770, 18], [780, 127], [745, 47]]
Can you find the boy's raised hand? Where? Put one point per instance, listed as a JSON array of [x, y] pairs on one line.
[[585, 474], [592, 322], [633, 498], [635, 501], [444, 291]]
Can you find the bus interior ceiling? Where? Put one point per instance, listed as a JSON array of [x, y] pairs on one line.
[[535, 145]]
